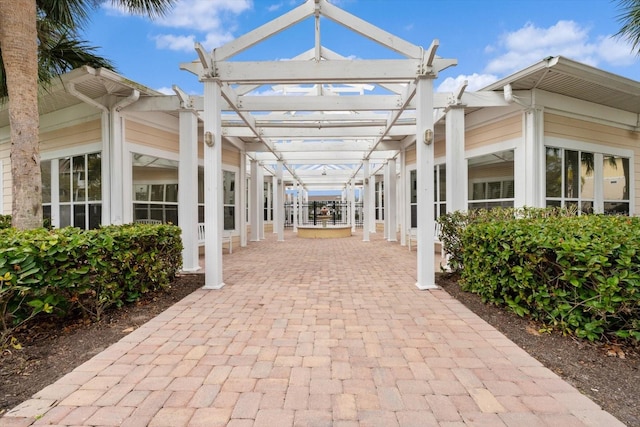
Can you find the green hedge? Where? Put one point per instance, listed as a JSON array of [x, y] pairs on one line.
[[579, 274], [69, 270]]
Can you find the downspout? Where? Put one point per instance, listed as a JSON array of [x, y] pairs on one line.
[[106, 137]]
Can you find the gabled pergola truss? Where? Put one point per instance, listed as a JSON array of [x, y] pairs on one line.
[[348, 116]]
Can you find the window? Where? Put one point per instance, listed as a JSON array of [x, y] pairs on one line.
[[491, 180], [379, 201], [440, 193], [268, 201], [200, 194], [440, 186], [615, 181], [155, 188], [76, 200], [572, 177], [229, 199]]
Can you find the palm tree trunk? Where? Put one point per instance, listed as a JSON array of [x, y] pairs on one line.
[[18, 41]]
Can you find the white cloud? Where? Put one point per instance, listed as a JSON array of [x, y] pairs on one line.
[[475, 81], [616, 52], [212, 22], [275, 7], [530, 44], [166, 90], [173, 42]]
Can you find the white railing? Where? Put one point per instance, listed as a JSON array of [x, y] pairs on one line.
[[226, 237]]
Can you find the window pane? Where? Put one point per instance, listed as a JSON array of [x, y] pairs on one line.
[[443, 183], [229, 218], [79, 216], [45, 169], [554, 172], [200, 184], [414, 186], [65, 216], [94, 162], [507, 189], [479, 191], [171, 214], [141, 192], [172, 193], [95, 215], [229, 184], [494, 190], [157, 193], [79, 179], [616, 208], [616, 177], [571, 174], [64, 180], [586, 176]]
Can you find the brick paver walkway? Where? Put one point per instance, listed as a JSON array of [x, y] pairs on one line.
[[313, 333]]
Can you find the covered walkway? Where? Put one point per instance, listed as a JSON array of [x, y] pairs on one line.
[[313, 333]]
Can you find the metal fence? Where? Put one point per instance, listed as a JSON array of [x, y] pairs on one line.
[[310, 212]]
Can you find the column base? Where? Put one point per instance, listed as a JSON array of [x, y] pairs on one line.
[[214, 287], [426, 287]]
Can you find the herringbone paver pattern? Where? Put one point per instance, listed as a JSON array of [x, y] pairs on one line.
[[313, 333]]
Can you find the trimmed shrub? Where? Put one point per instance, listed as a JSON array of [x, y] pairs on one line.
[[580, 274], [67, 270]]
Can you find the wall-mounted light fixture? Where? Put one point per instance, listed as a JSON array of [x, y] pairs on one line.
[[366, 181], [208, 138], [428, 136]]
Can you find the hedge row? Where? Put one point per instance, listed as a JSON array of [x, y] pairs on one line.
[[579, 274], [69, 270]]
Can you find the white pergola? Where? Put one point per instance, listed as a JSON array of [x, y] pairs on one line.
[[322, 121]]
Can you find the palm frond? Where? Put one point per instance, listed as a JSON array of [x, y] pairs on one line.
[[630, 21]]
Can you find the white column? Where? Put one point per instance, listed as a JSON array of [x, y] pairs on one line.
[[213, 218], [391, 202], [371, 204], [301, 209], [188, 180], [385, 199], [352, 206], [529, 161], [294, 199], [279, 213], [425, 256], [366, 205], [273, 212], [456, 164], [243, 199], [117, 165], [403, 195], [261, 209], [255, 191]]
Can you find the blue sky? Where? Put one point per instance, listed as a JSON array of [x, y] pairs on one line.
[[489, 38]]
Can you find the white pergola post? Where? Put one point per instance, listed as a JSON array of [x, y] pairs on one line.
[[370, 201], [301, 208], [188, 179], [260, 207], [366, 205], [294, 199], [213, 190], [255, 189], [425, 164], [243, 199], [279, 201], [385, 199], [529, 161], [403, 196], [390, 200], [352, 206], [456, 164], [275, 206]]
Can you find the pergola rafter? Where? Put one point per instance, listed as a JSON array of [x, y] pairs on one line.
[[319, 108]]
